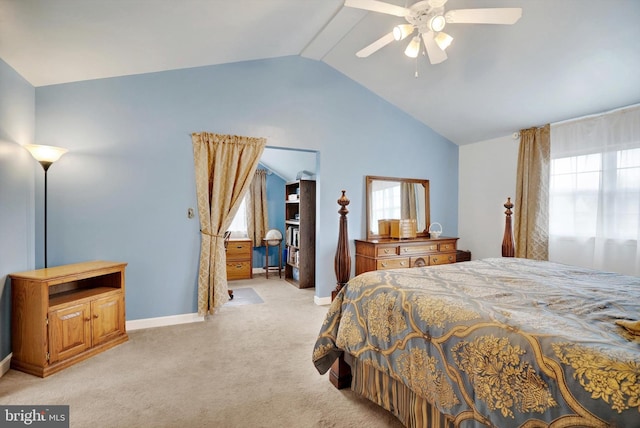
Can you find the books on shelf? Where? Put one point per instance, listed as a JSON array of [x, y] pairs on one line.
[[294, 257], [293, 236]]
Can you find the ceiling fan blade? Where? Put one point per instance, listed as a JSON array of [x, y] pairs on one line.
[[378, 44], [499, 15], [378, 6], [437, 3], [436, 55]]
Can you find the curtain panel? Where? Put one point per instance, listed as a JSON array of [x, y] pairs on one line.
[[532, 194], [408, 201], [224, 169], [257, 212], [595, 191]]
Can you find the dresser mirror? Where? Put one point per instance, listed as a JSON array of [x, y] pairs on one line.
[[397, 198]]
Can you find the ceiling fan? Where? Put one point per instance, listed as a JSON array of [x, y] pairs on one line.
[[429, 18]]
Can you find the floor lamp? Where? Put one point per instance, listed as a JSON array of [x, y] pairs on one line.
[[46, 155]]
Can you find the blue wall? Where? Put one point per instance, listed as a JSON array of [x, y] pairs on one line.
[[17, 172], [122, 191]]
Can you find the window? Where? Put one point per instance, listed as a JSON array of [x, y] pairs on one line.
[[574, 187], [587, 188], [238, 227], [594, 192], [385, 202]]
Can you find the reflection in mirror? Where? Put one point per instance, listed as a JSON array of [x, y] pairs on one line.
[[396, 198]]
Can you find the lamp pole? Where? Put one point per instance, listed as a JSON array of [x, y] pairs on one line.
[[45, 166], [45, 155]]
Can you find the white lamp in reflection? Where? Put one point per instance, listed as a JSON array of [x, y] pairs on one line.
[[46, 155]]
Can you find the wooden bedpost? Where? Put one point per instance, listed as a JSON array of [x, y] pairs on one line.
[[342, 263], [340, 373], [508, 247]]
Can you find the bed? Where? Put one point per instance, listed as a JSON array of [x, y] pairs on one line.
[[502, 342]]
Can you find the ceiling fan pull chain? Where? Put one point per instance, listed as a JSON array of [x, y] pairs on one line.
[[416, 74]]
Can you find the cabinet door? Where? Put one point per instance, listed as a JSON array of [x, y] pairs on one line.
[[69, 331], [108, 318]]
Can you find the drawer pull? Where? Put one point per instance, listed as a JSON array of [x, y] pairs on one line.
[[238, 266], [435, 260], [384, 265], [401, 263], [405, 249], [386, 251]]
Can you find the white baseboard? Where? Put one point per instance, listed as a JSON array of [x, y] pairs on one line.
[[322, 301], [163, 321], [5, 365]]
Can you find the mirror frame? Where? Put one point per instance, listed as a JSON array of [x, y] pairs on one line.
[[425, 183]]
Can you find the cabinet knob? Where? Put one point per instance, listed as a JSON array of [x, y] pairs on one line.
[[87, 319], [95, 315]]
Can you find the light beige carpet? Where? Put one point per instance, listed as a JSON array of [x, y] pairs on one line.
[[246, 366]]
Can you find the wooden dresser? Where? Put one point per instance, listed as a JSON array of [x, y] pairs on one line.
[[65, 314], [239, 259], [389, 253]]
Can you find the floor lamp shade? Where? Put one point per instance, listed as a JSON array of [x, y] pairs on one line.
[[46, 155]]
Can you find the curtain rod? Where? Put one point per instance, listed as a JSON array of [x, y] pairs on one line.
[[516, 134], [590, 116]]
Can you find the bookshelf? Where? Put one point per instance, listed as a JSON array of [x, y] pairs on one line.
[[300, 233]]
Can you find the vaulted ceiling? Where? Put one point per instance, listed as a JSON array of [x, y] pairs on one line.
[[562, 59]]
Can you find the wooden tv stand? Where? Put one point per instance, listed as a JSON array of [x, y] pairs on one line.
[[65, 314]]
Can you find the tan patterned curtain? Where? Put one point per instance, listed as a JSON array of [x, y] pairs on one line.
[[532, 194], [408, 201], [257, 215], [224, 167]]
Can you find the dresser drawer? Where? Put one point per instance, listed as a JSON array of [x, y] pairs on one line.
[[385, 251], [238, 270], [442, 259], [418, 249], [239, 249], [402, 262], [447, 246]]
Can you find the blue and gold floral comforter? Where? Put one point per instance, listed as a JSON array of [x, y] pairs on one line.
[[512, 342]]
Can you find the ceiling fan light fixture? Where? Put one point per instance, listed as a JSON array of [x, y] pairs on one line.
[[443, 40], [413, 48], [400, 32], [437, 23]]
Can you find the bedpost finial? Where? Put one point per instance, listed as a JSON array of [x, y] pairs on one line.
[[508, 205], [343, 201]]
